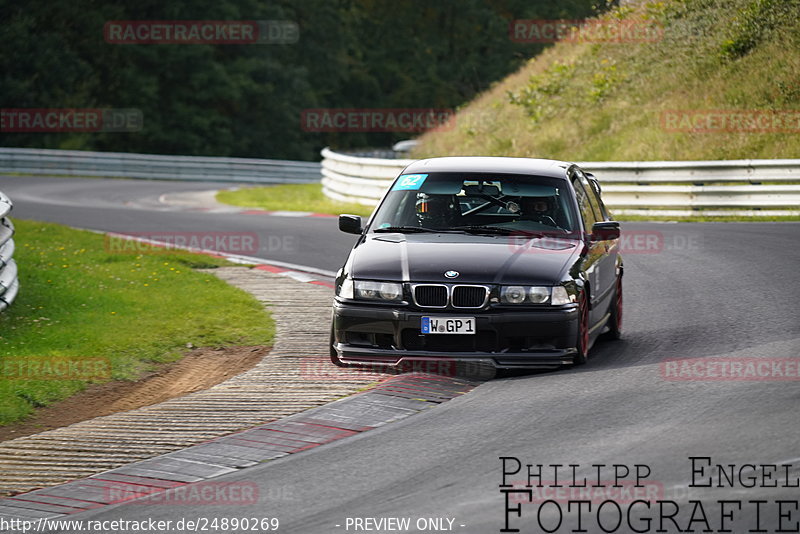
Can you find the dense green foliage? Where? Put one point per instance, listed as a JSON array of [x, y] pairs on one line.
[[246, 100]]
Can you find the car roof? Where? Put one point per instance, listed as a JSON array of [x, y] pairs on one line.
[[540, 167]]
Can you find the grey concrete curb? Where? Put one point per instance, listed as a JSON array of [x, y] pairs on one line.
[[288, 380], [144, 451]]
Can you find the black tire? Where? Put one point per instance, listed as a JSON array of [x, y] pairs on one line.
[[582, 343], [615, 322], [334, 355]]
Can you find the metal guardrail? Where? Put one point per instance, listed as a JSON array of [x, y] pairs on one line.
[[42, 162], [673, 188], [630, 188], [9, 284]]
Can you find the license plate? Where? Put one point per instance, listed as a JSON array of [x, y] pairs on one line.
[[448, 325]]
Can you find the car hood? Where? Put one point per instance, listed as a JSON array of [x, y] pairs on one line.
[[478, 259]]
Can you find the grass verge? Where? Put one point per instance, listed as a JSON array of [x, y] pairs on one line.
[[127, 312], [290, 197], [610, 101]]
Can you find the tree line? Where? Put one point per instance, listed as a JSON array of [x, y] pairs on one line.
[[247, 99]]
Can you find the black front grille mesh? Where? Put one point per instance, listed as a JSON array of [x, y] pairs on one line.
[[435, 296], [468, 296]]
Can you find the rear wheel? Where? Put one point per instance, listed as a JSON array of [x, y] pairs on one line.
[[615, 322], [583, 331]]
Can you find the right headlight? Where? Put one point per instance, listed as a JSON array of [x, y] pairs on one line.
[[369, 290], [346, 289]]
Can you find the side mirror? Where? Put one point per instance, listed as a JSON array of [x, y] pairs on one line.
[[602, 231], [350, 224]]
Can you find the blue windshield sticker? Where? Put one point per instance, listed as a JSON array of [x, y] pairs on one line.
[[409, 182]]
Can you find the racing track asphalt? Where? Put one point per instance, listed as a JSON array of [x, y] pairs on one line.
[[712, 290], [128, 206]]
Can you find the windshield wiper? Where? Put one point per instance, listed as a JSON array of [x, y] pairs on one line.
[[487, 230], [409, 229], [471, 229]]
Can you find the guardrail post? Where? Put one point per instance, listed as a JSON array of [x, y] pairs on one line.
[[9, 281]]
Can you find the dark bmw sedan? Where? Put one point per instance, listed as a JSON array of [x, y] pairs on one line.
[[510, 262]]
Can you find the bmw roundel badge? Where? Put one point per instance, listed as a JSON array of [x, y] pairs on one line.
[[451, 274]]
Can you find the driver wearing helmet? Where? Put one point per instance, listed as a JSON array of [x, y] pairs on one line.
[[538, 209], [436, 211]]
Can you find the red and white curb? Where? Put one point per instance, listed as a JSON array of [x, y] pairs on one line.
[[297, 275], [172, 476], [205, 201], [251, 211], [286, 213]]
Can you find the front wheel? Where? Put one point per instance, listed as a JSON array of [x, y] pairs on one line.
[[334, 355], [582, 343]]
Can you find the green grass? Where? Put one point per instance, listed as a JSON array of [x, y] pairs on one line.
[[604, 101], [77, 300], [294, 197]]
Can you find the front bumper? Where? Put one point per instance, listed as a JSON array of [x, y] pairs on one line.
[[504, 338]]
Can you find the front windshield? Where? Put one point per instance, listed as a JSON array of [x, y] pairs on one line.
[[507, 203]]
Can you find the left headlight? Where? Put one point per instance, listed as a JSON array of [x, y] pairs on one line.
[[369, 290], [524, 294], [555, 296]]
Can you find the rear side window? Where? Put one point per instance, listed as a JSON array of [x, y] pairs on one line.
[[584, 204], [597, 200], [591, 195]]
